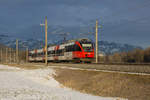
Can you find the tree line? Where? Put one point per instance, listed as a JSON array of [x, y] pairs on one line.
[[135, 56]]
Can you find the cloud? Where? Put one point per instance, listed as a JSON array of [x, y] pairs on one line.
[[117, 16]]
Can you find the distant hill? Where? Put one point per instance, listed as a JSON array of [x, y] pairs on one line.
[[112, 47], [104, 46]]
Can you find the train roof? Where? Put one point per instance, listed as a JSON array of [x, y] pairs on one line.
[[79, 39]]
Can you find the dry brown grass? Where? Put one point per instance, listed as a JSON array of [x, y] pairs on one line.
[[133, 87]]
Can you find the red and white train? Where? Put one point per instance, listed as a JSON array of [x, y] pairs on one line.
[[74, 50]]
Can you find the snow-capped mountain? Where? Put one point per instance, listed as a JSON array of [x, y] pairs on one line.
[[112, 47], [32, 43]]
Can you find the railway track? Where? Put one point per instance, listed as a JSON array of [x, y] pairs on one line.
[[140, 64], [148, 64], [73, 68], [113, 67]]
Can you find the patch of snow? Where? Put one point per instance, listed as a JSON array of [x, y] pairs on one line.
[[42, 76], [8, 67], [36, 85]]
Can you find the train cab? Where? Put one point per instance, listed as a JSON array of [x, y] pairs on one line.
[[86, 50]]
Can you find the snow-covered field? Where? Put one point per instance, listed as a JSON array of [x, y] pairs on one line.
[[37, 84]]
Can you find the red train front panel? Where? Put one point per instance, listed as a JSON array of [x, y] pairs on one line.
[[84, 53]]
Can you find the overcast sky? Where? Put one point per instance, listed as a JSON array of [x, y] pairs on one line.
[[124, 21]]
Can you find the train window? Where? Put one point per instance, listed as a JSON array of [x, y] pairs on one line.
[[33, 55], [77, 48], [67, 48], [72, 48], [38, 54], [62, 52], [59, 52], [49, 52], [30, 54], [87, 47]]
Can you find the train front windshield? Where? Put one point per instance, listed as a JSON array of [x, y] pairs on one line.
[[87, 47]]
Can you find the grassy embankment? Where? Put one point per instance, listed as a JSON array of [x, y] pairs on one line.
[[133, 87]]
